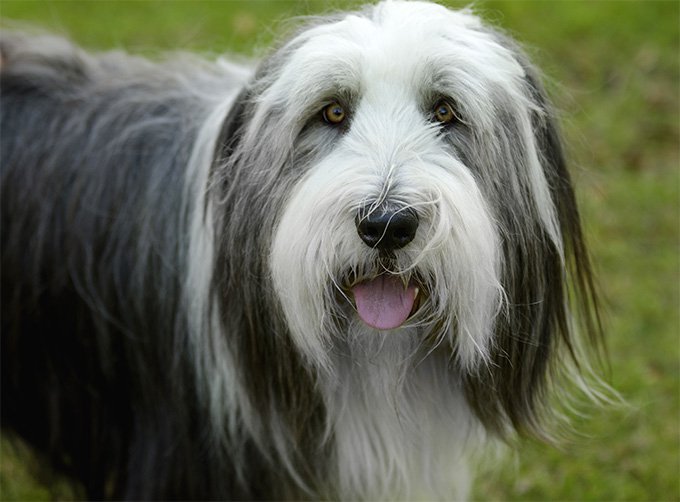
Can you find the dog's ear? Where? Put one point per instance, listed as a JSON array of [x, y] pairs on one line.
[[232, 128], [582, 296], [582, 287], [544, 285]]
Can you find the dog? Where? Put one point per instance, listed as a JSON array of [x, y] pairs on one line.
[[338, 273]]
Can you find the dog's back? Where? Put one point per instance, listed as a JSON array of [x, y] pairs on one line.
[[94, 155]]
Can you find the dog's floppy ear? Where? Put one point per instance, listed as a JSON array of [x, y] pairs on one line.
[[232, 128], [583, 289], [544, 286]]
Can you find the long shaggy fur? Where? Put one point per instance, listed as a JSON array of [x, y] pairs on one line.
[[180, 248]]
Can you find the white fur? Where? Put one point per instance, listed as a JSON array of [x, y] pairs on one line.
[[393, 437]]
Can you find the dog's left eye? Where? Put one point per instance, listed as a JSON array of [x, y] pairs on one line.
[[334, 113], [444, 112]]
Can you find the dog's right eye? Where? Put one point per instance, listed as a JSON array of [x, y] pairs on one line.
[[334, 114], [445, 113]]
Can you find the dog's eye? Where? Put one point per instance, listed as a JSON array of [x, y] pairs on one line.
[[444, 112], [334, 113]]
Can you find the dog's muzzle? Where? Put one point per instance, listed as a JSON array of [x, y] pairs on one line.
[[386, 301]]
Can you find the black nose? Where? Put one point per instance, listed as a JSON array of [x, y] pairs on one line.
[[387, 230]]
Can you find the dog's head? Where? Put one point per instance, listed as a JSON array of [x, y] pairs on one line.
[[405, 171]]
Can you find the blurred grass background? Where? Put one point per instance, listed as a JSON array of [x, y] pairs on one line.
[[613, 70]]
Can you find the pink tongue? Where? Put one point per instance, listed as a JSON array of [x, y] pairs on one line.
[[383, 303]]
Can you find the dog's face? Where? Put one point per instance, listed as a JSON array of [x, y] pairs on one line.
[[391, 224], [420, 195], [418, 127]]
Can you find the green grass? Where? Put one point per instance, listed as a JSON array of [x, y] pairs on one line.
[[613, 68]]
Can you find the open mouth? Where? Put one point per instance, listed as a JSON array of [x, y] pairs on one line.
[[386, 301]]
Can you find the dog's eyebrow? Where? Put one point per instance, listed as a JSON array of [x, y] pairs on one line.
[[334, 79]]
